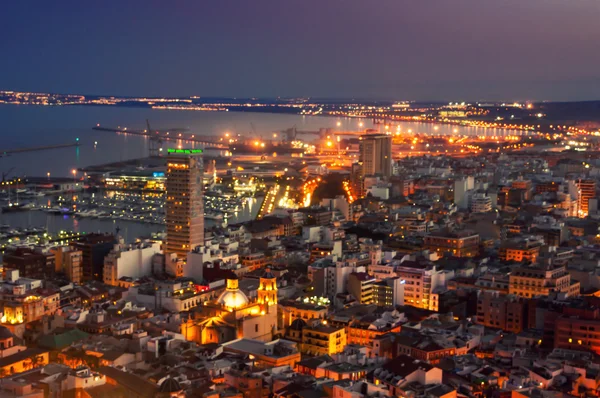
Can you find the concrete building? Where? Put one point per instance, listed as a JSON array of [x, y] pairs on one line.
[[82, 378], [520, 250], [542, 280], [68, 262], [330, 278], [454, 243], [404, 371], [389, 292], [323, 340], [360, 286], [184, 203], [461, 187], [376, 154], [339, 203], [134, 261], [266, 354], [94, 247], [30, 263], [364, 330], [23, 300], [586, 191], [304, 309], [481, 203], [578, 328], [421, 283], [501, 311]]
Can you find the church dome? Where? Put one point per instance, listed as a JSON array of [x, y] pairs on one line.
[[169, 385], [233, 299], [298, 324]]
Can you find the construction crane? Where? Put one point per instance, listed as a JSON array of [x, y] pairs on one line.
[[253, 130], [155, 142], [6, 173]]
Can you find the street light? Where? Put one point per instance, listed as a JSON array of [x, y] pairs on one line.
[[48, 174]]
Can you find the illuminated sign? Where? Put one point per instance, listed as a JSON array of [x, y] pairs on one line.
[[158, 174], [184, 151]]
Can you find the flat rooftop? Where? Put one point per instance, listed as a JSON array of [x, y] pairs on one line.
[[281, 348]]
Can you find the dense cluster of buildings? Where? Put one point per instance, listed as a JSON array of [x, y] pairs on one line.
[[431, 277]]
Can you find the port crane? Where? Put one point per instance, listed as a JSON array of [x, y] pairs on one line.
[[156, 142], [6, 173]]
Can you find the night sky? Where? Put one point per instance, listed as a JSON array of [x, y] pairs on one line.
[[388, 49]]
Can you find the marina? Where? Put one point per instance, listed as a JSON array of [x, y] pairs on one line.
[[133, 215]]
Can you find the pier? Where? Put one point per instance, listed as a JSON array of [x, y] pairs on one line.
[[37, 148], [168, 136]]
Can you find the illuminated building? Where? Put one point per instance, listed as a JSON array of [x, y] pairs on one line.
[[421, 282], [364, 330], [68, 262], [520, 250], [149, 181], [233, 297], [586, 191], [389, 292], [357, 180], [376, 154], [360, 286], [267, 290], [303, 310], [16, 358], [323, 340], [184, 204], [234, 316], [541, 280], [24, 300], [454, 243]]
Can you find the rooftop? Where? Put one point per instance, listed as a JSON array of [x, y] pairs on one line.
[[275, 349]]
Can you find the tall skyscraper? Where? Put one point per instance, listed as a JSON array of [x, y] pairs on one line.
[[185, 208], [376, 154]]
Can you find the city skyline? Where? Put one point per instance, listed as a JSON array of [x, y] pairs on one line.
[[339, 49], [286, 199]]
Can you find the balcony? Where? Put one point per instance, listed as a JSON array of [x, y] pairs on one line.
[[316, 337]]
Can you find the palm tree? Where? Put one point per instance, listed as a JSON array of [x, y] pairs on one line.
[[37, 360], [27, 364], [33, 362]]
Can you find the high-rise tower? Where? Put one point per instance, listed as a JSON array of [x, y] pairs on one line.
[[185, 207], [587, 191], [376, 154]]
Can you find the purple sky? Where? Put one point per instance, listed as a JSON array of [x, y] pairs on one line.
[[394, 49]]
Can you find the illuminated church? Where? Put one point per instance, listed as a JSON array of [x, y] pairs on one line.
[[233, 315]]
